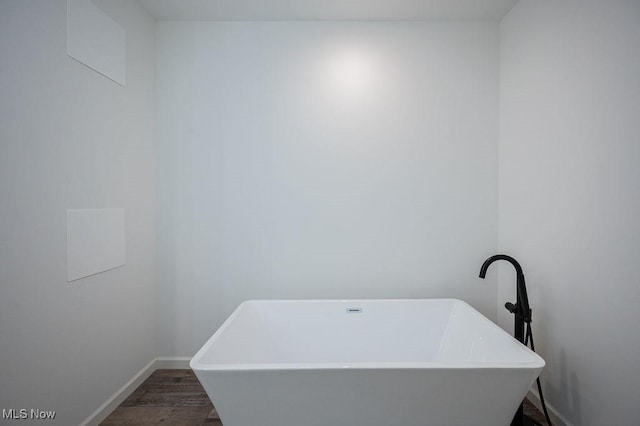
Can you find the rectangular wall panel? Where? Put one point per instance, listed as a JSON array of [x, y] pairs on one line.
[[96, 40]]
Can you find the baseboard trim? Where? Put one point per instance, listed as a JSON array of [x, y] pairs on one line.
[[121, 394], [557, 418], [172, 362]]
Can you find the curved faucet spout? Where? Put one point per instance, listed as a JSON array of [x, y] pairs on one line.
[[489, 261], [521, 307]]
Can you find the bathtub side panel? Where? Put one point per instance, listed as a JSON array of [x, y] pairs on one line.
[[377, 397]]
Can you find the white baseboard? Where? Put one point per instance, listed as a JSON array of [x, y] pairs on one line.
[[121, 394], [173, 362], [557, 418]]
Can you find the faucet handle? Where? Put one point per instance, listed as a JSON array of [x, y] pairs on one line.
[[514, 310]]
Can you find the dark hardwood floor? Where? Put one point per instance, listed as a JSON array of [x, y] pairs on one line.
[[171, 397], [176, 398]]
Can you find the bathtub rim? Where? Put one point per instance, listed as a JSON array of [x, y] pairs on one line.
[[537, 361]]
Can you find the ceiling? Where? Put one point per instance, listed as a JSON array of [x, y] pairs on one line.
[[273, 10]]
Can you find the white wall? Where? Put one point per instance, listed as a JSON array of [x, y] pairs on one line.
[[570, 196], [71, 138], [322, 160]]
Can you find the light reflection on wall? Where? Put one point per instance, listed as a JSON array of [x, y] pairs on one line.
[[350, 73]]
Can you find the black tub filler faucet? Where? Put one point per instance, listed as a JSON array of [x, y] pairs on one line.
[[522, 314]]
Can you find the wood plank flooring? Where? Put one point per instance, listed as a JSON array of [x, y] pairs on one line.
[[176, 398], [171, 397]]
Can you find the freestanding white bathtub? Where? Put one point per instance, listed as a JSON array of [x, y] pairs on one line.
[[432, 362]]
